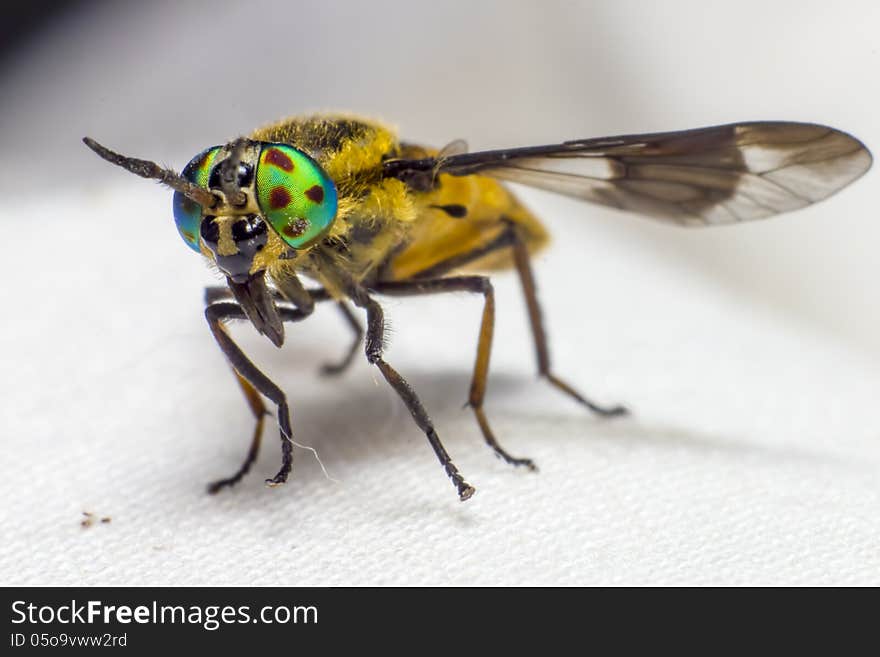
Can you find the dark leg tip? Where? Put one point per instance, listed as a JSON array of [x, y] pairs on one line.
[[331, 369], [277, 480], [614, 411], [465, 490], [528, 464], [216, 486], [602, 411]]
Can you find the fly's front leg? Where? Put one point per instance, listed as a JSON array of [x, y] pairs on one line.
[[373, 348], [222, 293], [253, 381]]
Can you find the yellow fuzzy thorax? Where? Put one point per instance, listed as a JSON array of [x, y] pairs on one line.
[[346, 146], [353, 158], [351, 150], [379, 217]]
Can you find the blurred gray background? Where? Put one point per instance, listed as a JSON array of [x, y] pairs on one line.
[[164, 79]]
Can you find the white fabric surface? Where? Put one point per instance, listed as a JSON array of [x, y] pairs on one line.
[[750, 355], [752, 456]]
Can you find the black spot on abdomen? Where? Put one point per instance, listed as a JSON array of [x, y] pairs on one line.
[[454, 210]]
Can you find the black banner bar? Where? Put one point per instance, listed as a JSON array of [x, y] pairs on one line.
[[332, 620]]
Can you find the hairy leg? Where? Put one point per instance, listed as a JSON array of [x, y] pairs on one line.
[[253, 381], [374, 347], [479, 285]]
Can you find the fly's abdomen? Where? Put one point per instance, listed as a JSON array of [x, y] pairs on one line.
[[458, 223]]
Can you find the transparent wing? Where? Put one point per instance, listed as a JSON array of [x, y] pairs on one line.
[[707, 176]]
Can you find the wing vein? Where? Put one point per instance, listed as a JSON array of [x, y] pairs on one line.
[[738, 171]]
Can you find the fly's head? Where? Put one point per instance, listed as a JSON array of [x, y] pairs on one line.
[[270, 198], [244, 204]]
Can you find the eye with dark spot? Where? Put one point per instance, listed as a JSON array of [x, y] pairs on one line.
[[279, 198], [276, 158], [315, 194], [296, 197], [209, 230], [296, 227]]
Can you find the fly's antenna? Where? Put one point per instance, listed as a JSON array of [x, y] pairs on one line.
[[229, 174], [147, 169]]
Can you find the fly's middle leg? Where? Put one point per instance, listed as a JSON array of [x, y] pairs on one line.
[[479, 285], [374, 347]]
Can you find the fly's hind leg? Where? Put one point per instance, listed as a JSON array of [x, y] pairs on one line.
[[524, 269], [481, 285], [511, 238]]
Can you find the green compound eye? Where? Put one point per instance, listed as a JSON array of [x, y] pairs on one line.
[[188, 213], [294, 194]]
